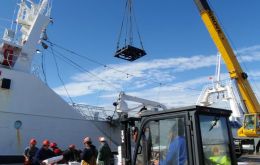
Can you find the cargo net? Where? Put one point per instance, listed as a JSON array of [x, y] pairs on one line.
[[126, 50]]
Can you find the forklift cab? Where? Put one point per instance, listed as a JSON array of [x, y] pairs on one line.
[[184, 136]]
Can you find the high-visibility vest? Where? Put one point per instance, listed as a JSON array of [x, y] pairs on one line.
[[220, 160]]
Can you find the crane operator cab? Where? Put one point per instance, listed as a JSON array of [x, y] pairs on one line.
[[251, 125], [186, 136]]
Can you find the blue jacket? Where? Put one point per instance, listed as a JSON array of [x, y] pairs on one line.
[[41, 155], [177, 153]]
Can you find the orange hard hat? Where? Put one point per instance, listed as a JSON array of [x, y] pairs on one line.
[[33, 141], [46, 143], [53, 145], [87, 139]]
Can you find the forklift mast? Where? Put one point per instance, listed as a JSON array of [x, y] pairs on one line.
[[191, 135]]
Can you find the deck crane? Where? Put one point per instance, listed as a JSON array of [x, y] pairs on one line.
[[251, 123], [122, 106]]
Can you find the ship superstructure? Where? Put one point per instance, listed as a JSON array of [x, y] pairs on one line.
[[219, 92], [28, 107]]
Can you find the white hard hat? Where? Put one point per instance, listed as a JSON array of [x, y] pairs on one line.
[[86, 139], [102, 139]]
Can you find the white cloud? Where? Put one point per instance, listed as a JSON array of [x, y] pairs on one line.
[[137, 75], [146, 73], [249, 54], [172, 95]]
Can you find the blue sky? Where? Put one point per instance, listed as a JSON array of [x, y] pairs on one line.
[[180, 53]]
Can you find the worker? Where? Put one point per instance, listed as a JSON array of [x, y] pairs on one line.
[[30, 152], [218, 157], [55, 149], [89, 153], [104, 152], [177, 152], [71, 154], [43, 153]]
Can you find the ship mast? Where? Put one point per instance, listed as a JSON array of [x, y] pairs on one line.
[[226, 90], [20, 45]]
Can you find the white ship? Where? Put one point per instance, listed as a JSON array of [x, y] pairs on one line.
[[28, 107]]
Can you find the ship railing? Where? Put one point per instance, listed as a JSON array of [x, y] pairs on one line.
[[91, 112]]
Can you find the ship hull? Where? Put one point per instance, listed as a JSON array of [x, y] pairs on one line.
[[30, 109]]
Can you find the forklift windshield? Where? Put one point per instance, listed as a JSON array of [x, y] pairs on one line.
[[215, 140], [163, 142]]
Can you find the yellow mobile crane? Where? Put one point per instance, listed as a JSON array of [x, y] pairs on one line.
[[251, 123]]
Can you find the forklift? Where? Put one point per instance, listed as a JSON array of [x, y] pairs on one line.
[[193, 135]]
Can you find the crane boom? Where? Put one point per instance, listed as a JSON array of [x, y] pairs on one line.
[[235, 70], [228, 55], [122, 105]]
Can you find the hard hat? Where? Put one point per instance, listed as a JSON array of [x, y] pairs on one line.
[[57, 151], [33, 141], [102, 139], [87, 139], [46, 143], [53, 145], [72, 146]]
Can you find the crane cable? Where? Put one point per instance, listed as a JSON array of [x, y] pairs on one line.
[[81, 69], [112, 68], [58, 73], [101, 64], [77, 66], [129, 18], [137, 29], [109, 67], [121, 28], [43, 68]]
